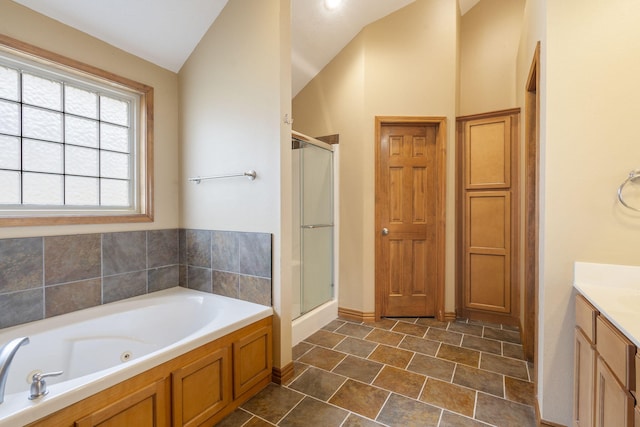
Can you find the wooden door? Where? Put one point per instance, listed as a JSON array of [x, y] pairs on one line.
[[614, 404], [487, 212], [409, 207]]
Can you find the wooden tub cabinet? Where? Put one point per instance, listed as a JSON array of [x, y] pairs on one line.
[[198, 388]]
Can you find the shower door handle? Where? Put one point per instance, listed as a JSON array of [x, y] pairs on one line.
[[385, 231]]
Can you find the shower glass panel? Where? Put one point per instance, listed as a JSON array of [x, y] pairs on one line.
[[316, 226]]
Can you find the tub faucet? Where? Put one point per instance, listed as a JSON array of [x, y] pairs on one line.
[[6, 356]]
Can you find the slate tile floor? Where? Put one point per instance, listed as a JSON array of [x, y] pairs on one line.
[[400, 372]]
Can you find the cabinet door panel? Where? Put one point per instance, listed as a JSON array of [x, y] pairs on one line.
[[488, 228], [584, 376], [488, 153], [202, 388], [143, 408], [614, 404], [618, 351], [251, 360], [586, 317]]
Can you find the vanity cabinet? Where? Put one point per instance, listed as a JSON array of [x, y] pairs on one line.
[[604, 371], [615, 376], [584, 363], [614, 403], [198, 388]]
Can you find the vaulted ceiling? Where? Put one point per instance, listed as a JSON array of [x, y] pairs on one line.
[[165, 32]]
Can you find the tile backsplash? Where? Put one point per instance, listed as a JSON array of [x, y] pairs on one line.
[[42, 277]]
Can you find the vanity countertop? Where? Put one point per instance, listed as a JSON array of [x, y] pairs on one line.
[[615, 291]]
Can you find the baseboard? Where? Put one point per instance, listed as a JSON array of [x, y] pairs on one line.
[[282, 375], [543, 423], [355, 315], [450, 316], [359, 316]]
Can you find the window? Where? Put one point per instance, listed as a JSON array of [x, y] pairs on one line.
[[75, 141]]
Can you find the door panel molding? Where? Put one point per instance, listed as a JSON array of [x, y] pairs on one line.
[[411, 248], [481, 160]]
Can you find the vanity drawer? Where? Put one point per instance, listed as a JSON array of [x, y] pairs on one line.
[[617, 351], [586, 317]]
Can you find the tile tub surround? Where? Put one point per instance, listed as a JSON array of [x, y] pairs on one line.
[[343, 377], [229, 263], [41, 277]]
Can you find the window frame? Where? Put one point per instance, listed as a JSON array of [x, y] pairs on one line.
[[144, 162]]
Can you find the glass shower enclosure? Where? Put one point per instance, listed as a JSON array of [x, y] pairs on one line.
[[313, 283]]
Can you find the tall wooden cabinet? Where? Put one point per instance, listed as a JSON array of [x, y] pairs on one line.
[[487, 216]]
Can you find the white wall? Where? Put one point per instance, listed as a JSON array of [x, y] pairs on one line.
[[28, 26], [234, 92]]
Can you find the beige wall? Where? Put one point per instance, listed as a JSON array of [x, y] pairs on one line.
[[534, 31], [591, 145], [489, 35], [332, 103], [372, 77], [234, 91], [25, 25]]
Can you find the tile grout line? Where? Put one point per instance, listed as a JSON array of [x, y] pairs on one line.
[[403, 339], [290, 410]]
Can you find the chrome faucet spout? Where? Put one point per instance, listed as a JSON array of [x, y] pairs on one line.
[[6, 356]]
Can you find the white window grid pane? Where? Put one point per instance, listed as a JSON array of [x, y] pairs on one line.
[[114, 111], [54, 178], [41, 92], [9, 88], [42, 189], [114, 192], [80, 102], [10, 113], [81, 131], [81, 191], [9, 152], [114, 165], [10, 184], [114, 138], [81, 161], [40, 156], [38, 123]]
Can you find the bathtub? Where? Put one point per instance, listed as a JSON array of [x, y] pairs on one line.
[[102, 346]]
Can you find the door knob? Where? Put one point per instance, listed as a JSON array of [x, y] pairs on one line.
[[385, 231]]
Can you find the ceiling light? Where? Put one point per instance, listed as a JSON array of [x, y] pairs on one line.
[[332, 4]]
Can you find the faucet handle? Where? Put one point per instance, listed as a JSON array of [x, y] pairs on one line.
[[39, 385]]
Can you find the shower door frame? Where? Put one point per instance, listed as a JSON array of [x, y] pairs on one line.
[[334, 286]]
